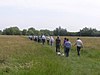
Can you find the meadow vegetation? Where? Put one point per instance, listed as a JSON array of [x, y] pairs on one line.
[[20, 56]]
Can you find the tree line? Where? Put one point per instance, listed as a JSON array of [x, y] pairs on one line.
[[58, 31]]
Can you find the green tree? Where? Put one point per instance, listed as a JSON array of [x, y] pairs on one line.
[[60, 31], [24, 32], [11, 31], [0, 32], [88, 32], [46, 32], [31, 31]]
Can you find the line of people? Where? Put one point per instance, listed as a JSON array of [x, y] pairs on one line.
[[66, 43], [42, 39]]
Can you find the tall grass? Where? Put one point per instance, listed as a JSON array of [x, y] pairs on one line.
[[20, 56]]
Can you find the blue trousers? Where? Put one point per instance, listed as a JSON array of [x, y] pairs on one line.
[[67, 51]]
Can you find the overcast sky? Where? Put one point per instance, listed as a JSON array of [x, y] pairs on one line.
[[49, 14]]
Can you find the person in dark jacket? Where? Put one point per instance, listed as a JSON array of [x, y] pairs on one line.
[[65, 39], [58, 43]]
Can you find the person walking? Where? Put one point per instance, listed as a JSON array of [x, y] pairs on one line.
[[48, 40], [65, 39], [43, 39], [67, 45], [51, 40], [58, 43], [79, 45]]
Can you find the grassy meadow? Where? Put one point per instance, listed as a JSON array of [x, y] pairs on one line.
[[20, 56]]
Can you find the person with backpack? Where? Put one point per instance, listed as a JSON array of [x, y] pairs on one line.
[[67, 46]]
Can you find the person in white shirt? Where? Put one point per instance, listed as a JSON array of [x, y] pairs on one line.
[[43, 39], [48, 40], [51, 40], [79, 45]]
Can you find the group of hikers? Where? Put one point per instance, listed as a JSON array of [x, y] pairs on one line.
[[66, 43], [67, 46], [42, 39]]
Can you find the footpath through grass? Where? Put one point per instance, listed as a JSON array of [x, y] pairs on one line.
[[20, 56]]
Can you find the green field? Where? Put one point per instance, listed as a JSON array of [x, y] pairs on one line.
[[20, 56]]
